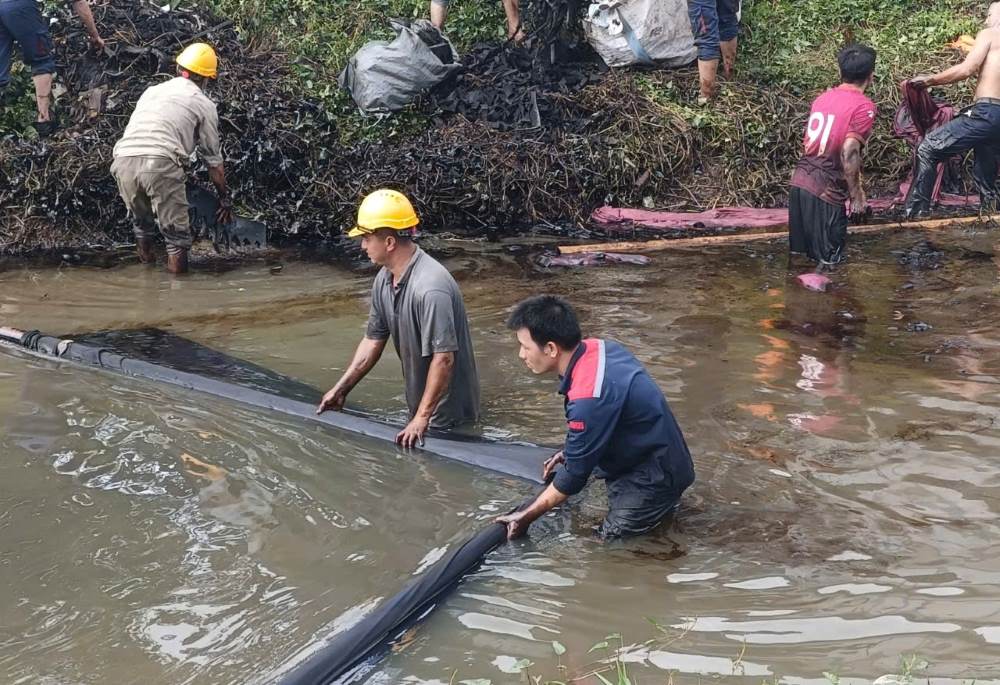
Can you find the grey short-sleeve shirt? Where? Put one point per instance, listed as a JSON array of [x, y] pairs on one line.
[[425, 315]]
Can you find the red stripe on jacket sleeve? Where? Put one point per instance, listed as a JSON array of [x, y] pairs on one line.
[[585, 372]]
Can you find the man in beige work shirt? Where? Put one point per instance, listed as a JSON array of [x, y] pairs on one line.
[[169, 121]]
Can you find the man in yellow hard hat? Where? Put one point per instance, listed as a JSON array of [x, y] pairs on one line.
[[416, 302], [170, 120]]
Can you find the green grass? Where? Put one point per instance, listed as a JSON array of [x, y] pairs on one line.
[[320, 36], [793, 43]]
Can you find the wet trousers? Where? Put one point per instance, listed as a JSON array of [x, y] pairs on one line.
[[816, 227], [976, 128], [155, 186], [639, 500]]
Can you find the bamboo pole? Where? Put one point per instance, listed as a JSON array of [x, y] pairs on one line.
[[668, 243]]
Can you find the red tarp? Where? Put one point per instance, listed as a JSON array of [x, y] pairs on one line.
[[725, 217]]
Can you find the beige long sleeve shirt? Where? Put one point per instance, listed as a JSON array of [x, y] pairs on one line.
[[170, 120]]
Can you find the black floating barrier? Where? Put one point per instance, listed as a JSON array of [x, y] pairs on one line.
[[351, 655], [258, 387]]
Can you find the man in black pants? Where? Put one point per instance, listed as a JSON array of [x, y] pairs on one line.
[[977, 127], [828, 175], [618, 424]]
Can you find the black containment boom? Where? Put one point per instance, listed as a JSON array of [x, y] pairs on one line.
[[351, 655]]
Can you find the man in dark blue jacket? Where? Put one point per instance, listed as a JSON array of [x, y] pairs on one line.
[[618, 424]]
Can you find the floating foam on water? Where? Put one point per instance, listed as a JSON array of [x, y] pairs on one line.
[[765, 583], [705, 665], [855, 589], [941, 591], [690, 577], [819, 629], [989, 633], [510, 664], [501, 626], [849, 555], [532, 576]]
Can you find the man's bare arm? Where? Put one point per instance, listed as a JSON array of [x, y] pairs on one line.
[[517, 523], [438, 381], [969, 67], [82, 9], [850, 159], [365, 357]]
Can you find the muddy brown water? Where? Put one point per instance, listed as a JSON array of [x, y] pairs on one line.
[[845, 512]]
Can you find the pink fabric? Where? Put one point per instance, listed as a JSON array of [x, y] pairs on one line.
[[814, 281], [724, 217], [880, 204], [918, 115], [620, 219]]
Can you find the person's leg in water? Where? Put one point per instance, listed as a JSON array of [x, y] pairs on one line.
[[729, 28], [638, 501], [164, 182], [704, 17], [984, 171], [816, 229], [978, 127], [124, 170]]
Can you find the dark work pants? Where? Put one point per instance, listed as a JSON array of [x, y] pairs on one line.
[[639, 500], [816, 227], [976, 128], [22, 22], [713, 21]]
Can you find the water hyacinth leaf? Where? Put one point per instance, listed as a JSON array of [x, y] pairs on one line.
[[613, 636], [603, 644], [558, 648], [476, 681]]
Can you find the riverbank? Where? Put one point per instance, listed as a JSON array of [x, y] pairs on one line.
[[300, 156]]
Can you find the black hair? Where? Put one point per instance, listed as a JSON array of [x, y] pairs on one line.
[[548, 319], [857, 63]]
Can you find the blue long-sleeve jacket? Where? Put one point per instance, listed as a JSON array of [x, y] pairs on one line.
[[616, 418]]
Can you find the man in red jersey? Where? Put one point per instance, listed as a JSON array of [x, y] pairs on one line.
[[827, 178]]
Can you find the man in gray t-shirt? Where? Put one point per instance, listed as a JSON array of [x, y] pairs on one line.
[[417, 303]]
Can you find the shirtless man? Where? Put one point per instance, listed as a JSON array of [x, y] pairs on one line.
[[977, 127]]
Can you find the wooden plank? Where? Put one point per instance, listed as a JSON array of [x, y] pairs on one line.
[[704, 241]]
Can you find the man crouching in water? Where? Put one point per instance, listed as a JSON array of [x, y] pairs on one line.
[[618, 424]]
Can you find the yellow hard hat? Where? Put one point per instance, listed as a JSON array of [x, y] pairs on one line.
[[199, 58], [384, 209]]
